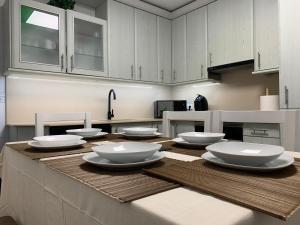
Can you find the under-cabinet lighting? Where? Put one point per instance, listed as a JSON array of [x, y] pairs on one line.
[[43, 20], [205, 84]]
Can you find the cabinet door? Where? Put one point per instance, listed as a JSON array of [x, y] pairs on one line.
[[164, 50], [179, 49], [266, 34], [230, 31], [38, 33], [121, 40], [196, 44], [146, 46], [87, 45], [289, 53]]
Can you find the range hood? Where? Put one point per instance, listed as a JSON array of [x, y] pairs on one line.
[[231, 66]]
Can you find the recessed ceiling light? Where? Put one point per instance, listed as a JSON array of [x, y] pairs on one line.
[[43, 20]]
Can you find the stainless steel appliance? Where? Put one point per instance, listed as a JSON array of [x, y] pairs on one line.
[[168, 105]]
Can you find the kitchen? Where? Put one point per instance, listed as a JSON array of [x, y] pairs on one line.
[[114, 60]]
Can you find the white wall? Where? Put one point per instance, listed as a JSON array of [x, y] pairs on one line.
[[239, 90], [27, 95]]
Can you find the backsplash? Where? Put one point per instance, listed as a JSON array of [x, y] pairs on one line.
[[239, 90]]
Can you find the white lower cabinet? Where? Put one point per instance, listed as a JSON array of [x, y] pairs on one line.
[[121, 40], [146, 46], [179, 49], [266, 35], [196, 34]]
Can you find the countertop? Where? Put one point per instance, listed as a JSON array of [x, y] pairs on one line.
[[69, 123]]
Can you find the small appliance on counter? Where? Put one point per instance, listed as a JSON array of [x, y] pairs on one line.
[[200, 103], [168, 105], [269, 102]]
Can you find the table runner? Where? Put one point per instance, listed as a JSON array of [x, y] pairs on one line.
[[125, 186], [171, 146], [35, 154], [275, 193]]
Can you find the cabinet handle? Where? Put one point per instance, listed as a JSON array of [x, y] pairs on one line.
[[286, 91], [201, 70], [259, 132], [210, 59], [72, 63], [174, 75], [140, 72], [132, 72], [162, 75], [258, 59], [62, 62]]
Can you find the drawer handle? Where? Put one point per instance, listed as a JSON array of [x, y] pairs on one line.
[[259, 132]]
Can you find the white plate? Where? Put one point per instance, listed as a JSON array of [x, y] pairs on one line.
[[282, 161], [126, 152], [57, 140], [201, 137], [85, 132], [155, 134], [140, 130], [98, 135], [95, 159], [37, 145], [182, 142], [243, 153]]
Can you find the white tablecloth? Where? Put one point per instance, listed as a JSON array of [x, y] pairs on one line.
[[36, 195]]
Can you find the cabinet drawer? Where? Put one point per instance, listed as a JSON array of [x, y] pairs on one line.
[[260, 140], [262, 130]]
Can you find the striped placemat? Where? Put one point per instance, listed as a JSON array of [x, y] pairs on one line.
[[275, 193], [125, 186], [120, 138]]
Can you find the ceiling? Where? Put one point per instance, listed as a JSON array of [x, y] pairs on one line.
[[169, 5]]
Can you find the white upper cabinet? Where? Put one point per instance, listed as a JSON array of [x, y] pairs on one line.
[[146, 46], [266, 43], [196, 44], [164, 50], [38, 36], [121, 40], [230, 32], [179, 49], [289, 53], [87, 44]]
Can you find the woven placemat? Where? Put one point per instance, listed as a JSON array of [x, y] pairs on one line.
[[125, 186], [171, 146], [120, 138], [35, 154], [275, 193]]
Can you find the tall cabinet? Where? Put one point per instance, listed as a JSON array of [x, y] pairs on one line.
[[266, 35], [146, 46], [289, 53], [196, 35], [121, 41], [230, 32], [179, 49]]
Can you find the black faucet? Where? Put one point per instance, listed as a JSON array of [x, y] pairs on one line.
[[110, 113]]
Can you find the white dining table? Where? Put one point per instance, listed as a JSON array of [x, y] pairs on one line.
[[34, 194]]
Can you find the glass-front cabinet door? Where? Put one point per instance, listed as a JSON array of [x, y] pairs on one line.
[[38, 36], [87, 44]]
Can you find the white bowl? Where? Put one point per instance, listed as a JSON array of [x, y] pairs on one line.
[[126, 152], [201, 137], [85, 132], [244, 153], [57, 140], [140, 130]]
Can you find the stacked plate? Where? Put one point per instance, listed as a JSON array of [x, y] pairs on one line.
[[140, 132], [57, 142], [88, 133], [248, 156], [124, 154], [197, 139]]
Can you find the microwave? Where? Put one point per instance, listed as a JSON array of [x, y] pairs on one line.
[[168, 105]]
